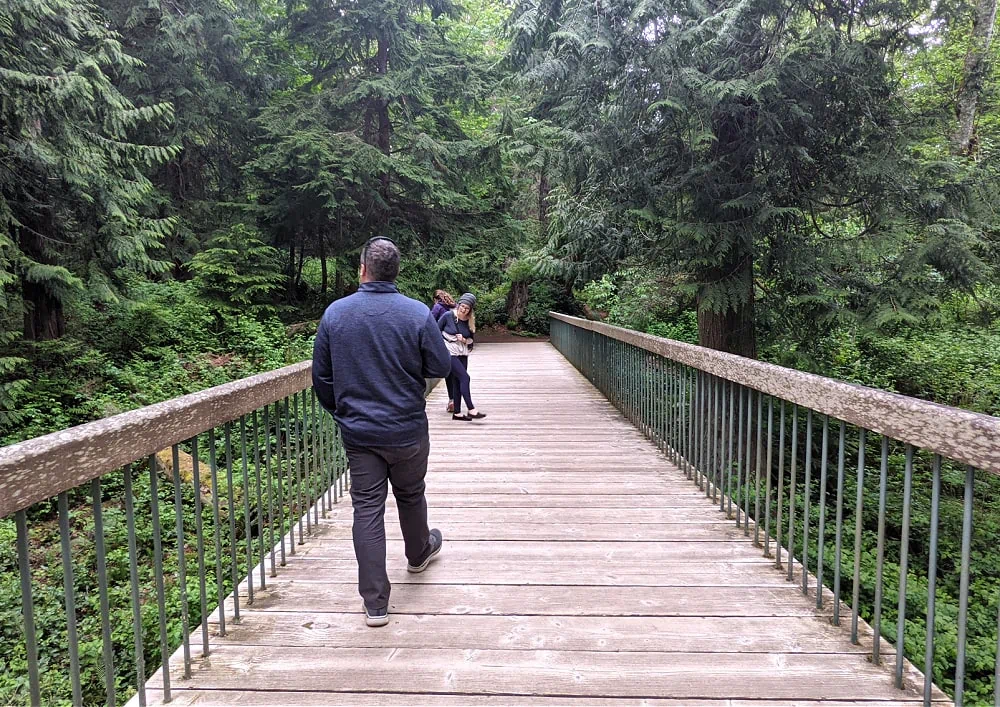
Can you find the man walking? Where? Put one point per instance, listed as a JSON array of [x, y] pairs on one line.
[[373, 351]]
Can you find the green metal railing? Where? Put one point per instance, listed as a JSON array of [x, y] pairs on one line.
[[784, 454], [214, 515]]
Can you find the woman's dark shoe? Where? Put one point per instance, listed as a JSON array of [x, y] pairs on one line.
[[464, 418], [451, 407], [477, 416]]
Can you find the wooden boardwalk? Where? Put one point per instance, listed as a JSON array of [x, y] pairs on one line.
[[579, 567]]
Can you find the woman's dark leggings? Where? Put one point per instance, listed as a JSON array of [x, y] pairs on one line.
[[451, 387], [460, 383]]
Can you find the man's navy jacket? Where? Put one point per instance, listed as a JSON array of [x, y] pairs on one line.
[[373, 351]]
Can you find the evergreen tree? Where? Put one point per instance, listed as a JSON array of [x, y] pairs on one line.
[[368, 138], [237, 273], [212, 62], [747, 141], [73, 188]]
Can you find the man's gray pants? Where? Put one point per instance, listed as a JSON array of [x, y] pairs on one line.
[[372, 470]]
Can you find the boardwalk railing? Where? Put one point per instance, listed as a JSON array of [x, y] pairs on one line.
[[247, 463], [874, 494]]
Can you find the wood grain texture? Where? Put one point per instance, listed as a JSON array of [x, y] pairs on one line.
[[843, 676], [415, 595], [684, 634], [566, 573], [579, 568], [277, 698], [504, 531]]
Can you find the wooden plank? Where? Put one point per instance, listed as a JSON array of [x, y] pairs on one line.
[[524, 500], [493, 441], [583, 554], [599, 466], [226, 698], [498, 430], [529, 457], [340, 530], [660, 517], [603, 473], [513, 428], [514, 475], [629, 455], [567, 573], [578, 516], [411, 595], [602, 468], [564, 633], [546, 672], [651, 489]]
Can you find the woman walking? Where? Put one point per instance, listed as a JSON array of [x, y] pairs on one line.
[[459, 329], [444, 303]]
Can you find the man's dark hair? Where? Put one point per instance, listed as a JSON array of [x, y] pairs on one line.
[[380, 257]]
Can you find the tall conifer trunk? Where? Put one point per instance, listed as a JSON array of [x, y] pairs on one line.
[[974, 74], [382, 113], [731, 330], [339, 283], [324, 280], [517, 301], [44, 318], [543, 200]]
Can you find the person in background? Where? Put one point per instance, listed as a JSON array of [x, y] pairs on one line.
[[443, 303], [459, 329], [373, 351]]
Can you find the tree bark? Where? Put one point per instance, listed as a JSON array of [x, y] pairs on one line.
[[732, 330], [44, 319], [543, 203], [368, 131], [974, 74], [517, 301], [339, 285], [290, 290], [382, 112], [298, 269], [322, 261]]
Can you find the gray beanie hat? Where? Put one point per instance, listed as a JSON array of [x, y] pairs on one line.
[[469, 299]]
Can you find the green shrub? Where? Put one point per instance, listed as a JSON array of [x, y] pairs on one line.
[[543, 297], [683, 327], [163, 342], [491, 306], [951, 366], [638, 297], [237, 272]]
